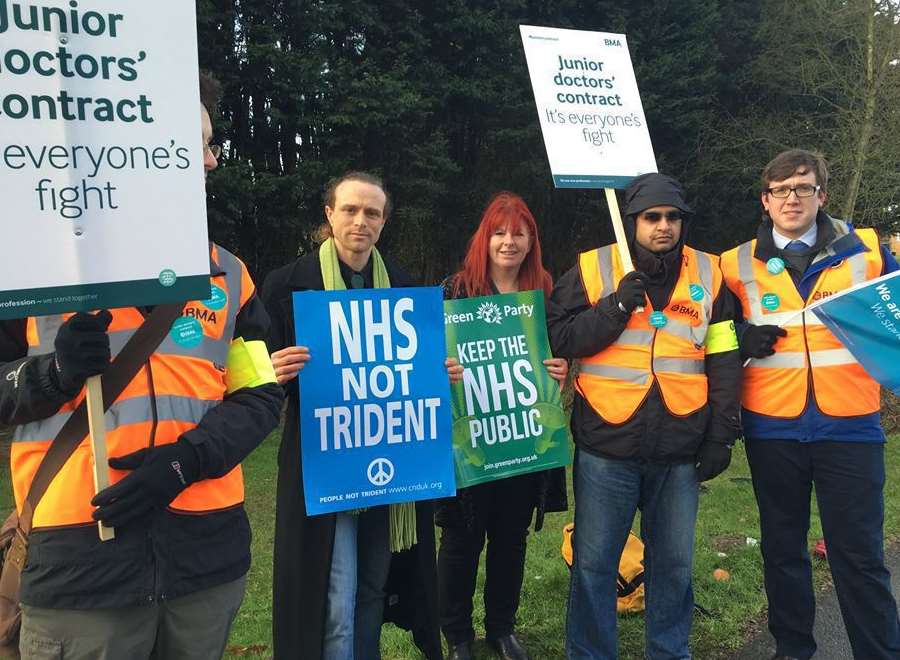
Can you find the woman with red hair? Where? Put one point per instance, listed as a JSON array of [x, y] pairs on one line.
[[504, 256]]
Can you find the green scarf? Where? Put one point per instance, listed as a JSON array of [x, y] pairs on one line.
[[402, 516]]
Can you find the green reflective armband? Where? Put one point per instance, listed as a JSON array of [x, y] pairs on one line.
[[721, 338], [248, 365]]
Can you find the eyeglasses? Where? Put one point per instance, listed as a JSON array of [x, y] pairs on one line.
[[214, 149], [656, 216], [803, 190]]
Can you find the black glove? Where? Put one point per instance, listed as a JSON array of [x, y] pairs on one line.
[[712, 459], [160, 474], [631, 291], [757, 341], [82, 349]]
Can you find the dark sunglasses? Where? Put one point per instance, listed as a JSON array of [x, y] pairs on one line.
[[656, 216]]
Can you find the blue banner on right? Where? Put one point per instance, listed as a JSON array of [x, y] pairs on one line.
[[867, 321]]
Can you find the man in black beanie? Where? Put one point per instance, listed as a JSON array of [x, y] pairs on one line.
[[657, 399]]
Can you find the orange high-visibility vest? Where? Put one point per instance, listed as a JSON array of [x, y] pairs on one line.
[[181, 381], [616, 380], [810, 354]]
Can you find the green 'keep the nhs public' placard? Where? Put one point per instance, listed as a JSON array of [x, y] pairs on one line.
[[507, 417]]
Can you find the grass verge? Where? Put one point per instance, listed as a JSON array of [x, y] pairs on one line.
[[727, 518]]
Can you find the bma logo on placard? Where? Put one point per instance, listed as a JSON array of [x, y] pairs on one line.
[[380, 472]]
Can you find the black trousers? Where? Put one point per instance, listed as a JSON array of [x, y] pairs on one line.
[[849, 479], [502, 512]]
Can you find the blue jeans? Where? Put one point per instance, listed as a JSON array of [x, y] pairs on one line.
[[359, 569], [607, 495]]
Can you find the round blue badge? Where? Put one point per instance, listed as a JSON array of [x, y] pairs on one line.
[[775, 265], [658, 319], [696, 292], [217, 299], [770, 301], [187, 332]]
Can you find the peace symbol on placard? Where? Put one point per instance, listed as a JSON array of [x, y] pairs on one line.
[[380, 471]]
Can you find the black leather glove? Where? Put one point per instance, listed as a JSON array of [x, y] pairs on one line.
[[758, 341], [713, 459], [631, 291], [82, 349], [160, 474]]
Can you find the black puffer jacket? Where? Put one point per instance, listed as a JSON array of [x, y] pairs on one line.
[[578, 329]]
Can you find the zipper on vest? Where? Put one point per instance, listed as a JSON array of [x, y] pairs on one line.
[[810, 390], [154, 413]]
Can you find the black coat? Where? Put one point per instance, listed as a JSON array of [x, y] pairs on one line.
[[303, 544]]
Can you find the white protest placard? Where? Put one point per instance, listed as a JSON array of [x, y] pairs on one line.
[[101, 160], [589, 107]]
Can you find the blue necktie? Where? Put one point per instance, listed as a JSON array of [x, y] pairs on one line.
[[796, 246]]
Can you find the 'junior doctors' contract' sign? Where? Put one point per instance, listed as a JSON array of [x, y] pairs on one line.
[[375, 423], [507, 414], [101, 162], [589, 107]]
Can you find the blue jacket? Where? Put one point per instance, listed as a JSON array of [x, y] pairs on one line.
[[814, 425]]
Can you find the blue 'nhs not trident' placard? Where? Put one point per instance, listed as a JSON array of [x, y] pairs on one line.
[[375, 418]]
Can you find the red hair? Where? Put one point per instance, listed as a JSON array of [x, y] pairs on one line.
[[505, 210]]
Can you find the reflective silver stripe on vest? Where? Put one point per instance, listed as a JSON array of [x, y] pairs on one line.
[[672, 365], [857, 265], [751, 288], [605, 264], [123, 413], [47, 327], [635, 337], [833, 357], [783, 360], [626, 374]]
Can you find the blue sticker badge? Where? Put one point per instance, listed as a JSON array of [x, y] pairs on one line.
[[770, 301], [658, 319], [775, 265], [187, 332], [217, 299], [696, 292]]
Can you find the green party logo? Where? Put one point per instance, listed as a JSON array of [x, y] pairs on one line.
[[167, 277], [217, 298], [770, 301], [187, 332], [489, 313], [697, 292]]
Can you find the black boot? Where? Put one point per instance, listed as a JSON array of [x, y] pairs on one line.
[[508, 647], [461, 651]]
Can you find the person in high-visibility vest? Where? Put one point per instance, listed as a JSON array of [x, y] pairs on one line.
[[657, 398], [171, 582], [810, 412]]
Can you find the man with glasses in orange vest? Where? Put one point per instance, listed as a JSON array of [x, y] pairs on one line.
[[811, 413], [657, 398], [171, 582]]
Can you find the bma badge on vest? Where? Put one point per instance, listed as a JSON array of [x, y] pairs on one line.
[[217, 298], [696, 292], [770, 301], [187, 332], [775, 265], [658, 320]]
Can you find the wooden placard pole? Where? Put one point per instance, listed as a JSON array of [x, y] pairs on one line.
[[619, 229], [97, 426]]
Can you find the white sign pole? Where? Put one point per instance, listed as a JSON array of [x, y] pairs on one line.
[[97, 426]]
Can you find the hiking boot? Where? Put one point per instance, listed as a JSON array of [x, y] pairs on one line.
[[508, 647]]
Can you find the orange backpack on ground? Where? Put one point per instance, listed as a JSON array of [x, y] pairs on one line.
[[630, 583]]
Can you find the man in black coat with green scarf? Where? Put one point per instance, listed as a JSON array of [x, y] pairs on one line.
[[337, 577]]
